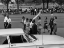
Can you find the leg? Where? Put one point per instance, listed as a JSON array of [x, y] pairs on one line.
[[51, 31], [44, 30], [4, 25], [33, 37], [55, 29]]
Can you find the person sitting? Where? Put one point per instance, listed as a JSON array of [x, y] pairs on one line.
[[9, 22], [5, 21]]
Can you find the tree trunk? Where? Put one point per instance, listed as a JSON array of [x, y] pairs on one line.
[[43, 4], [17, 6], [47, 3], [7, 8]]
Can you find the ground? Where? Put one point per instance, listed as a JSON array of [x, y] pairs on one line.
[[16, 21]]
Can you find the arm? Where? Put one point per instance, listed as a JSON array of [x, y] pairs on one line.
[[36, 16]]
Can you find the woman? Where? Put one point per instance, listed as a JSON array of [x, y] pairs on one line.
[[39, 26], [55, 25], [45, 24]]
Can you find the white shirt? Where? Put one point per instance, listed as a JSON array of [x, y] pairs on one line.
[[9, 20], [5, 19], [35, 9], [25, 21], [31, 24]]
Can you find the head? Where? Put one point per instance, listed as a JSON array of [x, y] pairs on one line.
[[8, 17], [33, 21], [23, 17], [55, 17], [4, 15], [39, 18], [27, 19], [30, 20]]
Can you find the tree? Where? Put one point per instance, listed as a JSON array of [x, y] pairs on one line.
[[47, 3], [17, 2], [6, 2], [43, 4]]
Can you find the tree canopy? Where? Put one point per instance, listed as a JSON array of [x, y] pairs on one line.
[[5, 1]]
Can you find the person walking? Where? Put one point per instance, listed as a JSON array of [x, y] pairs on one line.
[[30, 23], [46, 24], [51, 24], [39, 26], [27, 25], [23, 18], [55, 25]]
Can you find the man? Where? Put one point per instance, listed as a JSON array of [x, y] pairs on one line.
[[5, 21], [31, 24], [35, 11], [51, 24], [34, 28]]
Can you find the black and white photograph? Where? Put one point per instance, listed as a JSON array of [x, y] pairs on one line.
[[31, 23]]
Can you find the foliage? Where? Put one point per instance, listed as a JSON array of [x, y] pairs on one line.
[[5, 1]]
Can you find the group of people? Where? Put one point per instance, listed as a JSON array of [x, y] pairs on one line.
[[30, 25], [7, 21], [34, 11], [52, 24], [33, 27]]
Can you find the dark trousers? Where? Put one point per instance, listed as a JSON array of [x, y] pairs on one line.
[[24, 26], [5, 25], [9, 25], [33, 36], [51, 30]]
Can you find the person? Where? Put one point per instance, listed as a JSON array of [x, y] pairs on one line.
[[46, 25], [9, 22], [34, 27], [30, 25], [27, 25], [55, 25], [35, 11], [24, 24], [51, 24], [23, 18], [5, 21], [39, 26]]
